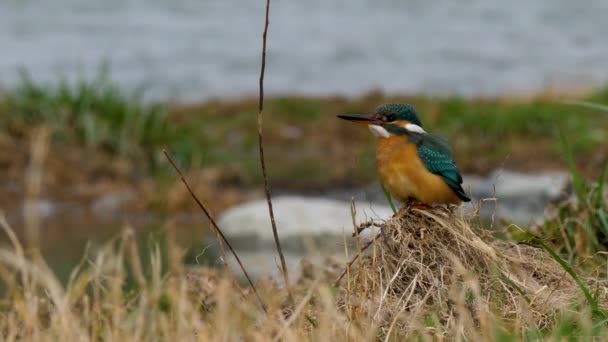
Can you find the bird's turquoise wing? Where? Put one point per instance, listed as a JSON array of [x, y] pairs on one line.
[[436, 155]]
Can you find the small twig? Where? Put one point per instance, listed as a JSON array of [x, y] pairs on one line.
[[352, 261], [216, 228], [263, 67], [261, 149], [353, 214]]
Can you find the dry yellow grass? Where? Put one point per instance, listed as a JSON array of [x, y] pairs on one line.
[[428, 275]]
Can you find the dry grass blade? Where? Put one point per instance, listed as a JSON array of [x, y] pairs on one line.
[[33, 184], [11, 235], [216, 228], [138, 272], [47, 280], [298, 310], [261, 150], [351, 262]]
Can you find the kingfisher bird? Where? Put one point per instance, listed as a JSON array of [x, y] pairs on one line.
[[411, 163]]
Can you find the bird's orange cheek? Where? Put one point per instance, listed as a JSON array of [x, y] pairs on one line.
[[401, 123]]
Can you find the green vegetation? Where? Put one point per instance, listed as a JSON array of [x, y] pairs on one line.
[[93, 114], [578, 227], [306, 146]]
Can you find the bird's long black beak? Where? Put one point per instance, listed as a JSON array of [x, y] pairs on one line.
[[359, 118]]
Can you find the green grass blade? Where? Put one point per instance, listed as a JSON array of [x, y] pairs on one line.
[[577, 180], [601, 214], [588, 226], [590, 105], [311, 320], [388, 198], [601, 183]]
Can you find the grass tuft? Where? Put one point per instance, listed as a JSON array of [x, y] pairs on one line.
[[578, 227], [93, 113], [431, 262]]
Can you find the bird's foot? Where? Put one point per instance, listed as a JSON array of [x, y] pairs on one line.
[[412, 203], [421, 206]]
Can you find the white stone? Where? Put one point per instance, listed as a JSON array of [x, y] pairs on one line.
[[108, 205], [509, 183], [297, 216], [520, 197], [44, 208], [308, 227]]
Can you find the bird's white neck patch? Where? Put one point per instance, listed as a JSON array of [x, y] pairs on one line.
[[379, 131], [414, 128]]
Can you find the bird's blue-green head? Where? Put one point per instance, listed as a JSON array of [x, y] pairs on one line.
[[389, 118], [393, 112]]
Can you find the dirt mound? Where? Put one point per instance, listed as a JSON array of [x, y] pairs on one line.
[[431, 265]]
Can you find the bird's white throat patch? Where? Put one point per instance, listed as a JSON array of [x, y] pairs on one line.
[[414, 128], [379, 131]]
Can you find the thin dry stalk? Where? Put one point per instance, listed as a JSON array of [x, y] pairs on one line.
[[351, 262], [262, 160], [46, 279], [12, 236], [174, 252], [33, 187], [298, 310], [134, 260], [79, 278], [403, 307], [216, 228], [353, 215]]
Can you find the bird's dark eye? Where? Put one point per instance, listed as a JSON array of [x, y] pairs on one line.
[[390, 117]]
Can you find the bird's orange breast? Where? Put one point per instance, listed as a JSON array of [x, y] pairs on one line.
[[405, 176]]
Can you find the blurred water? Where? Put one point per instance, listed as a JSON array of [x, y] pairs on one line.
[[195, 49]]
